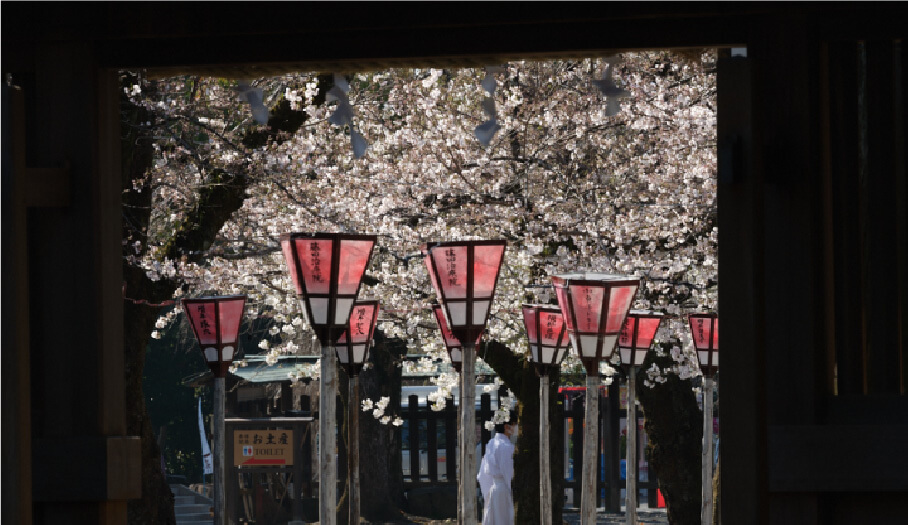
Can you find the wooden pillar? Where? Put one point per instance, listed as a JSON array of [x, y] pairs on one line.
[[631, 466], [218, 431], [468, 435], [413, 424], [353, 450], [612, 449], [706, 511], [577, 447], [590, 449], [450, 440], [300, 458], [742, 294], [327, 462], [432, 444], [545, 474]]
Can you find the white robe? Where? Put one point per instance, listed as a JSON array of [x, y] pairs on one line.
[[495, 475]]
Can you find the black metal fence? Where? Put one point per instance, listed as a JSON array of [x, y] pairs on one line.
[[429, 441]]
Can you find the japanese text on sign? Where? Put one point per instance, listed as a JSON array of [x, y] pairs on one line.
[[262, 447]]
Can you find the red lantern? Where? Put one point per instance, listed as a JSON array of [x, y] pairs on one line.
[[353, 345], [637, 336], [464, 274], [215, 322], [594, 306], [452, 344], [327, 269], [705, 331], [547, 334]]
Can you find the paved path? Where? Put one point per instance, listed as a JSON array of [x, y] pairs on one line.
[[647, 516], [644, 516]]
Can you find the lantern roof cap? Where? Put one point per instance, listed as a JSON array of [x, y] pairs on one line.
[[479, 242], [593, 277], [646, 313], [209, 298], [552, 307], [326, 235]]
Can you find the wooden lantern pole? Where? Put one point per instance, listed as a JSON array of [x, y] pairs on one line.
[[630, 500], [590, 447], [545, 473], [353, 449], [218, 431], [706, 510], [468, 434], [327, 440]]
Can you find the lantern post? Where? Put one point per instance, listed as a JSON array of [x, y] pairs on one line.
[[455, 353], [327, 270], [353, 352], [594, 306], [464, 275], [704, 328], [636, 337], [215, 322], [548, 342]]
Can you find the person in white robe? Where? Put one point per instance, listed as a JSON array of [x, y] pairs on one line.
[[496, 472]]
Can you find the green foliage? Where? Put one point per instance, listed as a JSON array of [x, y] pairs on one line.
[[168, 361]]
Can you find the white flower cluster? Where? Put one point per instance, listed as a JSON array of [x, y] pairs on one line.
[[236, 365], [577, 188], [503, 412], [445, 382], [654, 375], [423, 365], [312, 371], [378, 411]]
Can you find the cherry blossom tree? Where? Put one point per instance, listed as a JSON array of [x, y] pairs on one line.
[[587, 164]]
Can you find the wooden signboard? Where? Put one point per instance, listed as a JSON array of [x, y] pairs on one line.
[[263, 447]]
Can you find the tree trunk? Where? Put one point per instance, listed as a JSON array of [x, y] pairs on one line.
[[521, 378], [216, 203], [381, 478], [156, 504], [674, 426]]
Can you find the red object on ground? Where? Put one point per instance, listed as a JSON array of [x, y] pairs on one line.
[[660, 501]]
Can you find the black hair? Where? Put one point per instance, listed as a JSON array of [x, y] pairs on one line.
[[500, 427]]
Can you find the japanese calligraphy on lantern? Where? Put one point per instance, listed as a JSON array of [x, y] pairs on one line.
[[315, 260], [316, 255], [451, 260], [588, 304], [203, 321], [262, 447], [627, 330], [359, 321]]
